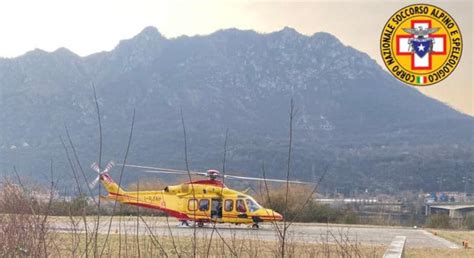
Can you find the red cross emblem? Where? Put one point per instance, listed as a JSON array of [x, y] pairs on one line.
[[425, 62]]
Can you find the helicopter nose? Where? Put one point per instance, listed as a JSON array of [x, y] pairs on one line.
[[275, 216], [278, 216]]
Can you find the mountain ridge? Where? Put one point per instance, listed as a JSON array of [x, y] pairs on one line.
[[230, 79]]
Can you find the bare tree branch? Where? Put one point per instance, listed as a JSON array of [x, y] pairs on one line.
[[190, 179], [130, 136], [76, 157], [84, 219], [214, 228], [96, 229]]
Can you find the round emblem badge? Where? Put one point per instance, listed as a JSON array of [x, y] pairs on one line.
[[421, 44]]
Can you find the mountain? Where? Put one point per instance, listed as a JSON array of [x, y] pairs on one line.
[[353, 118]]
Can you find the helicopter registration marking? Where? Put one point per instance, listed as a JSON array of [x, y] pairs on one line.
[[153, 198]]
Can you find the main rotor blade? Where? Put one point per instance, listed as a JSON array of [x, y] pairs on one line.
[[266, 179], [109, 166], [94, 183], [95, 167], [162, 169], [174, 172]]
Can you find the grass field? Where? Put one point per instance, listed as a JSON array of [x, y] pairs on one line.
[[438, 253], [126, 246], [131, 246], [455, 236]]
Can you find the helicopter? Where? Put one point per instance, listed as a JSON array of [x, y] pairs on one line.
[[203, 201]]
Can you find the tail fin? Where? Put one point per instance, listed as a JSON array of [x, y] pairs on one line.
[[109, 184]]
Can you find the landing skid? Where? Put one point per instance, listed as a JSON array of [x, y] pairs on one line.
[[200, 224], [186, 224], [183, 224]]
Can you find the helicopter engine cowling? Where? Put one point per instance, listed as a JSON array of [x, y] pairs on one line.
[[175, 189]]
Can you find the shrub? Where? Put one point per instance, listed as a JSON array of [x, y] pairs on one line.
[[438, 221], [22, 231], [312, 211], [468, 222]]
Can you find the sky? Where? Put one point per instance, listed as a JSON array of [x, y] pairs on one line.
[[90, 26]]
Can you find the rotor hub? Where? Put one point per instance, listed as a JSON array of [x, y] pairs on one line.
[[212, 173]]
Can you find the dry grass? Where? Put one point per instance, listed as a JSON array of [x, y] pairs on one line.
[[455, 236], [129, 245], [241, 248], [438, 253], [255, 247]]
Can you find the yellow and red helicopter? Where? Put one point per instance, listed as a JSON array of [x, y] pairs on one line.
[[201, 201]]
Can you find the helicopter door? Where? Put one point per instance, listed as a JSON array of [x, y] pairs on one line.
[[228, 210], [216, 208]]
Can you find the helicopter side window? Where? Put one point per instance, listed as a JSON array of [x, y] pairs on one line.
[[192, 204], [240, 206], [204, 205], [228, 205]]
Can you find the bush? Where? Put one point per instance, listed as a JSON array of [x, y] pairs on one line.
[[23, 233], [350, 217], [312, 211], [439, 221], [468, 222]]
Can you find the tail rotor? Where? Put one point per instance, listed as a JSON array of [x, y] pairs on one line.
[[96, 168]]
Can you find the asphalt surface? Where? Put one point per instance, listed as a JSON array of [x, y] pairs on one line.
[[298, 232]]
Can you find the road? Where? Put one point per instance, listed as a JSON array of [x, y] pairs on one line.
[[298, 232]]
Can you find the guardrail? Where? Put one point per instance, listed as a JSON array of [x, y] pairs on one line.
[[396, 248]]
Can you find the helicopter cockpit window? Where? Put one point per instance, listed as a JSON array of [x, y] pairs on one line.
[[240, 207], [252, 205], [204, 205], [228, 205]]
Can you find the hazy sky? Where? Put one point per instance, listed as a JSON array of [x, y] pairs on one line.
[[88, 26]]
